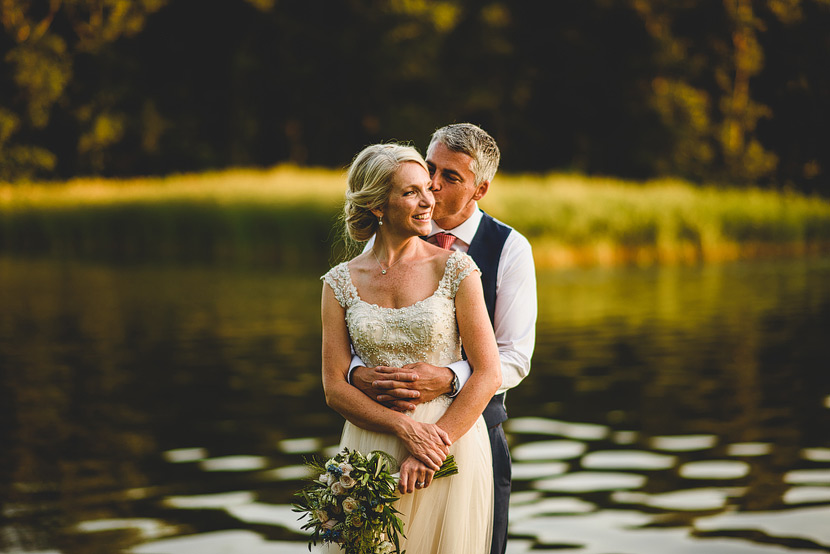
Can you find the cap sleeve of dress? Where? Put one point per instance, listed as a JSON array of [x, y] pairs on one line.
[[340, 281], [459, 266]]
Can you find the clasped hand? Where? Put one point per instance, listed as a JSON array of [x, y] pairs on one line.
[[414, 475], [429, 446], [427, 442], [402, 388]]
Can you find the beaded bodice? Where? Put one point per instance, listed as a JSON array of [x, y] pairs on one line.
[[422, 332]]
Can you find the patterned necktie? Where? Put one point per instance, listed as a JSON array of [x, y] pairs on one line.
[[444, 240]]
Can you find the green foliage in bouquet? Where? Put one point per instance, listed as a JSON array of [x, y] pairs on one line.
[[350, 503]]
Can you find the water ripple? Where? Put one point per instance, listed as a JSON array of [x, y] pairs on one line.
[[806, 523], [183, 455], [627, 459], [627, 532], [685, 500], [549, 450], [590, 481], [234, 463], [748, 449], [221, 542], [806, 495], [684, 443], [202, 501], [542, 426], [526, 471], [807, 476], [816, 454], [714, 469]]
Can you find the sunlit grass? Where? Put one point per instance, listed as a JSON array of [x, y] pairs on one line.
[[280, 185], [569, 219], [282, 216], [574, 218]]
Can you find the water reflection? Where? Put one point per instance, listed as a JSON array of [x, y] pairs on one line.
[[168, 410]]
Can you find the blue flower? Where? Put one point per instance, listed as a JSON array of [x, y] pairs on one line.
[[334, 469], [331, 535]]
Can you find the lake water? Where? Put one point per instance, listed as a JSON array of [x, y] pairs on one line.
[[168, 410]]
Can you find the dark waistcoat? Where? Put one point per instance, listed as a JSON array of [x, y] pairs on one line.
[[485, 250]]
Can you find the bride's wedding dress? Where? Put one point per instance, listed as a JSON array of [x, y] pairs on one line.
[[454, 514]]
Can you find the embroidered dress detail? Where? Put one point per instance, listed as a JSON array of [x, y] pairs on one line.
[[425, 331]]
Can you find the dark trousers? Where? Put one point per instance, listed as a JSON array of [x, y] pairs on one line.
[[502, 473]]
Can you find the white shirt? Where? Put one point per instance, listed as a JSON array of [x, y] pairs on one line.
[[516, 308]]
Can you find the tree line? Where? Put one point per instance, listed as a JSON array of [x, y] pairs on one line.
[[719, 91]]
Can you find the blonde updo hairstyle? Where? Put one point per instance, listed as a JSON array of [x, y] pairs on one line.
[[369, 182]]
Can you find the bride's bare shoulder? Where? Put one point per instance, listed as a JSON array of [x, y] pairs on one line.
[[361, 261], [438, 261], [361, 266]]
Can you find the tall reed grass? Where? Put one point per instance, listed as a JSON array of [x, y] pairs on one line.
[[287, 216], [283, 216], [574, 219]]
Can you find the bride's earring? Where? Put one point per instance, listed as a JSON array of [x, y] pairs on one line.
[[380, 220]]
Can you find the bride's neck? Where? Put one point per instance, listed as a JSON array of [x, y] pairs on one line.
[[393, 249]]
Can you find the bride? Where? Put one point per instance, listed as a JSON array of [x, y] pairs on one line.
[[405, 301]]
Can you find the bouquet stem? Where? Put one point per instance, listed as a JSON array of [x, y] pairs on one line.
[[449, 467]]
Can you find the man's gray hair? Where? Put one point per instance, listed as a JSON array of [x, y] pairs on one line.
[[475, 142]]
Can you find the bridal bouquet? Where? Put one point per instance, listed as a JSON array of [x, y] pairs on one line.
[[350, 503]]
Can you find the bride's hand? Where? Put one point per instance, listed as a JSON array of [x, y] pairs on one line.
[[427, 442], [414, 475]]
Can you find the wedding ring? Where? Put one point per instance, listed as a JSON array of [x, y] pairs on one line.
[[419, 484]]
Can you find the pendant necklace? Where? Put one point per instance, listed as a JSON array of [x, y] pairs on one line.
[[383, 271]]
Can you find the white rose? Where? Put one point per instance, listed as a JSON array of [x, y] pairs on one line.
[[321, 516], [350, 505], [385, 547], [337, 488], [347, 481], [346, 468]]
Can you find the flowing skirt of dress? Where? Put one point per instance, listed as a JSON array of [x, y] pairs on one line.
[[454, 514]]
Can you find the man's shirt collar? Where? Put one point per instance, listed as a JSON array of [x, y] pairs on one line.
[[464, 232]]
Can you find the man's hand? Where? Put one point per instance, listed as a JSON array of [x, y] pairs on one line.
[[399, 397], [402, 388], [431, 382]]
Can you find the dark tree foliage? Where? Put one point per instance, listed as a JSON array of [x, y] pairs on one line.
[[579, 99], [41, 43], [795, 84], [726, 91]]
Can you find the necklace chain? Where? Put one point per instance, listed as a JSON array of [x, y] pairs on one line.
[[383, 271]]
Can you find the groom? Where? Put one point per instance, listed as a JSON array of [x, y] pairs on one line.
[[462, 160]]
